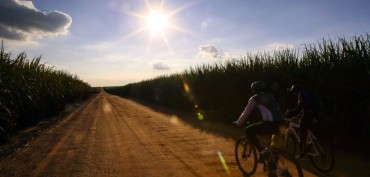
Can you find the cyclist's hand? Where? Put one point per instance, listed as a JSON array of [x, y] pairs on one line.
[[235, 125]]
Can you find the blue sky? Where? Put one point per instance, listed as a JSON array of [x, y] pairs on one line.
[[99, 40]]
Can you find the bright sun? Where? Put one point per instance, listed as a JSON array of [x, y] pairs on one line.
[[156, 22]]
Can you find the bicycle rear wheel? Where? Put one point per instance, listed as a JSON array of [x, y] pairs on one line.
[[321, 155], [246, 156], [284, 165]]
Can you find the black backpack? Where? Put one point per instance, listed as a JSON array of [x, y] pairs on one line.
[[314, 100]]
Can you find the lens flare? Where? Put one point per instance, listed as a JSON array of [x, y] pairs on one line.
[[200, 116], [223, 161], [107, 108], [191, 98], [174, 120], [186, 87]]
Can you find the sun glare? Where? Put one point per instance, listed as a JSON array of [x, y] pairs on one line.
[[156, 22]]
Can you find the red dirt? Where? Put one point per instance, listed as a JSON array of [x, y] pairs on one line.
[[112, 136]]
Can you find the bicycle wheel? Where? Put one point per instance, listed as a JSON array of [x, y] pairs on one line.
[[321, 155], [283, 164], [246, 156], [291, 145]]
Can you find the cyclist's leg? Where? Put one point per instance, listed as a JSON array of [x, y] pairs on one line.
[[304, 124], [251, 131], [260, 128]]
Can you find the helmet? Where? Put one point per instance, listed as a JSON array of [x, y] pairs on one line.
[[258, 86], [294, 88]]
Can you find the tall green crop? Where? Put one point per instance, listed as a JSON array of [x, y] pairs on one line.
[[337, 69], [31, 91]]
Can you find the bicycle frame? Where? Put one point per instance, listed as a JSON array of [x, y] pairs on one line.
[[272, 157], [319, 153], [292, 129], [246, 154]]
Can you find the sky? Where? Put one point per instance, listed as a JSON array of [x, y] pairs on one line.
[[117, 42]]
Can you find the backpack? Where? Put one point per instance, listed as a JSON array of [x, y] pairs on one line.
[[314, 101]]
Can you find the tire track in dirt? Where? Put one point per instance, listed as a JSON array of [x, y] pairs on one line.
[[69, 147], [42, 164], [159, 154], [197, 152], [41, 153]]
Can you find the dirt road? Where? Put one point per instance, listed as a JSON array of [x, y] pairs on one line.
[[112, 136]]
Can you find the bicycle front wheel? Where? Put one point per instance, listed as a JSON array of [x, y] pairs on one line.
[[321, 155], [246, 156], [284, 165]]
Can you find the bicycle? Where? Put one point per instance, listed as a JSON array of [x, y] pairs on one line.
[[320, 154], [276, 163]]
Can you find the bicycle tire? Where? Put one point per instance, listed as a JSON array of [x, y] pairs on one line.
[[324, 159], [284, 165], [246, 156]]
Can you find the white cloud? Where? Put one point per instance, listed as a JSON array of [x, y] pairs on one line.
[[280, 46], [28, 4], [205, 24], [209, 52], [112, 58], [160, 66], [57, 67], [20, 20]]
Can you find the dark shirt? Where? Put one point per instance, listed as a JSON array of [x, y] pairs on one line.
[[305, 104]]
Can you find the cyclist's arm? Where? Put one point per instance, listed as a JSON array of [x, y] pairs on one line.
[[246, 113]]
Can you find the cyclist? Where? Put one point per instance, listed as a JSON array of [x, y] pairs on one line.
[[306, 109], [269, 111]]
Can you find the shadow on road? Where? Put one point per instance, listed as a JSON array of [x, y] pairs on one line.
[[346, 164]]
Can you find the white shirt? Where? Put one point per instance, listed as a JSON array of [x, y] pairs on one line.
[[267, 107]]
